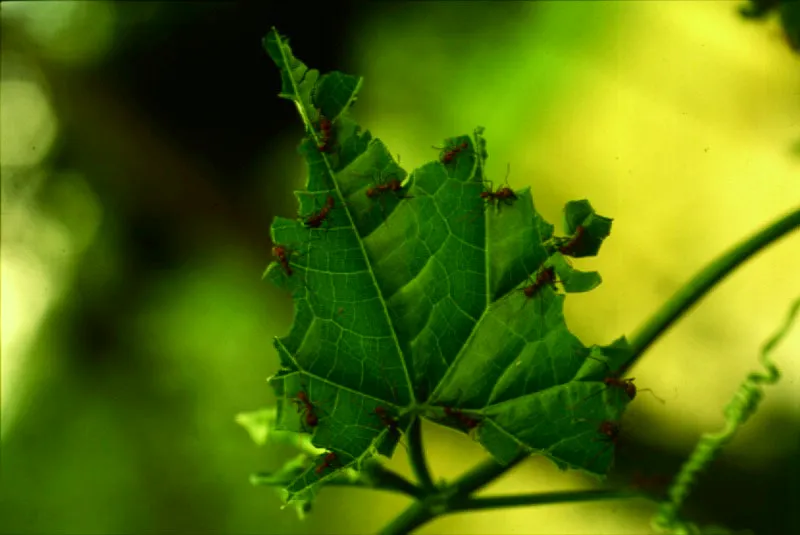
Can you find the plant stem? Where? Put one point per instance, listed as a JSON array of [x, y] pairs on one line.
[[420, 513], [417, 514], [483, 474], [540, 498], [393, 482], [696, 288], [416, 456], [381, 479]]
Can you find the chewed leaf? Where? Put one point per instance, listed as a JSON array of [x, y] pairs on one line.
[[586, 230], [334, 93], [574, 281], [297, 81], [425, 295]]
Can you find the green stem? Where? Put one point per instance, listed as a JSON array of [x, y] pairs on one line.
[[385, 479], [483, 474], [541, 498], [696, 288], [422, 512], [381, 479], [416, 456], [415, 515]]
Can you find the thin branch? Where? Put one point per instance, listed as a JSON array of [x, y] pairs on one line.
[[541, 498], [712, 274], [416, 456]]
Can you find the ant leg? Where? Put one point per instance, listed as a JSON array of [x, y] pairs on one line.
[[578, 404], [651, 393], [601, 361]]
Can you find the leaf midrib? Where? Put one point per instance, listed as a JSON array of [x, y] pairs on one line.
[[299, 104]]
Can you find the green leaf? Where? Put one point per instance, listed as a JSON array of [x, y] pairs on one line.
[[411, 301], [290, 471], [258, 423], [586, 230]]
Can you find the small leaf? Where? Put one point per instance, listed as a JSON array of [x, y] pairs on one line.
[[586, 228], [258, 424], [297, 81], [574, 281]]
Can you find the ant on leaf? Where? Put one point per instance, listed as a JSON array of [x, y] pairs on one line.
[[449, 153], [328, 460], [495, 197], [613, 381], [505, 194], [609, 431], [306, 407]]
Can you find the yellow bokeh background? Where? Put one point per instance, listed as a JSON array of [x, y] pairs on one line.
[[677, 119]]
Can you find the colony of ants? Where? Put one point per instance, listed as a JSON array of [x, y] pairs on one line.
[[546, 276]]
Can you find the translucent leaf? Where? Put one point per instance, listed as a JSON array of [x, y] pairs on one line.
[[586, 230], [258, 423], [417, 296]]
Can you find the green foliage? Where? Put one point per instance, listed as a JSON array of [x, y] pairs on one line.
[[787, 10], [409, 300], [432, 296], [743, 405]]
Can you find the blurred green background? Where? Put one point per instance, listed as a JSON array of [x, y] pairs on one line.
[[145, 152]]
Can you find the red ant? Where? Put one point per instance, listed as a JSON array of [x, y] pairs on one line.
[[386, 419], [626, 385], [505, 194], [390, 422], [545, 277], [393, 185], [610, 432], [451, 152], [568, 248], [466, 421], [305, 404], [326, 130], [316, 220], [327, 462], [283, 254]]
